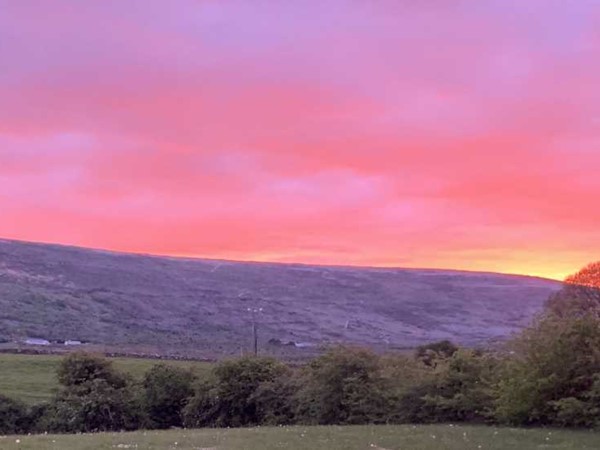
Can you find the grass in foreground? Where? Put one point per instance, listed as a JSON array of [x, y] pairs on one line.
[[404, 437], [32, 378]]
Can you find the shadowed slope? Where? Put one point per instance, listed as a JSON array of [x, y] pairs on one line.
[[57, 292]]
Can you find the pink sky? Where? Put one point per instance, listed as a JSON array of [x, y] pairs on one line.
[[452, 134]]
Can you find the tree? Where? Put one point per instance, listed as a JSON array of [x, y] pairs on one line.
[[344, 386], [166, 390], [276, 400], [80, 368], [94, 397], [552, 377], [580, 294], [462, 388], [406, 382], [229, 398], [13, 416], [430, 354]]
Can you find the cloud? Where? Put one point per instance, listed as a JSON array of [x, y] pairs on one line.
[[391, 133]]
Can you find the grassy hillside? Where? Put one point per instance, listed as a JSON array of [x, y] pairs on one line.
[[32, 378], [433, 437], [201, 306]]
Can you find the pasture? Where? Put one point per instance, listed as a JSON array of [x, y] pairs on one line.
[[403, 437], [32, 378]]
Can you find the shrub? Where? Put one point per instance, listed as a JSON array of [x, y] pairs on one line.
[[201, 408], [229, 398], [97, 407], [431, 354], [343, 386], [13, 416], [406, 380], [276, 400], [553, 376], [463, 388], [166, 390], [94, 397], [573, 412], [80, 368], [36, 420]]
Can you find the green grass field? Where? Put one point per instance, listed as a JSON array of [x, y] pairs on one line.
[[407, 437], [32, 378]]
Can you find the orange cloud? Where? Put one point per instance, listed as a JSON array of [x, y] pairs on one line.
[[392, 133]]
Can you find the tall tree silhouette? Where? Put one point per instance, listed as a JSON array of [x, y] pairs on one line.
[[580, 294]]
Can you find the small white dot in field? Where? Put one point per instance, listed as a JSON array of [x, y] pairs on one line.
[[433, 436], [18, 441]]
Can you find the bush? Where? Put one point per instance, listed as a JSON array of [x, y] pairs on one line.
[[81, 368], [13, 416], [276, 400], [405, 380], [97, 407], [229, 398], [431, 354], [36, 421], [573, 412], [343, 386], [552, 379], [94, 397], [201, 409], [462, 390], [166, 390]]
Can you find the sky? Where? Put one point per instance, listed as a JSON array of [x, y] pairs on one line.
[[435, 134]]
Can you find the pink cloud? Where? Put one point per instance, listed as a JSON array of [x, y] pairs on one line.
[[389, 133]]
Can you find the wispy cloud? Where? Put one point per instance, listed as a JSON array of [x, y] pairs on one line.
[[459, 134]]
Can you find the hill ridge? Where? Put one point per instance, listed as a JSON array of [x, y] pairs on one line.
[[283, 263], [200, 305]]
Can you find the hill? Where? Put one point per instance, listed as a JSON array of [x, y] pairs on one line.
[[201, 306]]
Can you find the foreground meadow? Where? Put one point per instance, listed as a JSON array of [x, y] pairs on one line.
[[403, 437]]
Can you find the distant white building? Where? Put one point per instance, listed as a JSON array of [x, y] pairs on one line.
[[73, 342], [36, 341]]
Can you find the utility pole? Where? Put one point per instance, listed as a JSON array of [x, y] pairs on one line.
[[255, 336]]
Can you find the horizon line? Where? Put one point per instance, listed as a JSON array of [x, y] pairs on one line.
[[255, 261]]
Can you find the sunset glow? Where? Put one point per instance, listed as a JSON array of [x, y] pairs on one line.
[[445, 134]]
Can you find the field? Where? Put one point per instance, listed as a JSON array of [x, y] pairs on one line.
[[32, 378], [406, 437]]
